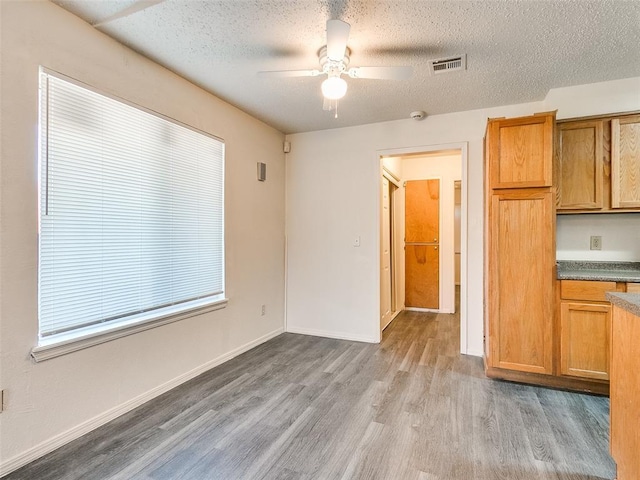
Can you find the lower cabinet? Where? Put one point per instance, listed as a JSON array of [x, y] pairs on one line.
[[585, 330]]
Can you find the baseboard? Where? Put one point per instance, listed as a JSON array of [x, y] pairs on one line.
[[475, 353], [330, 334], [58, 441]]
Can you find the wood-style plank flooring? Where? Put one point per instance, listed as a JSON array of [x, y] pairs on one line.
[[301, 407]]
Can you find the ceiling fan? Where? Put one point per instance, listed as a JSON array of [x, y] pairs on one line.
[[334, 62]]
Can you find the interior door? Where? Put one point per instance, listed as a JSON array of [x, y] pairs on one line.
[[422, 237]]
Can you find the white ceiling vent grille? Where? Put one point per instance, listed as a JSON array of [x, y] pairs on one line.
[[446, 65]]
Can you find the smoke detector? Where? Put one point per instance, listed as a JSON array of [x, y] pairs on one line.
[[418, 115]]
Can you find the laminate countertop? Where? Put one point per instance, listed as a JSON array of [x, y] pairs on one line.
[[628, 301], [600, 271]]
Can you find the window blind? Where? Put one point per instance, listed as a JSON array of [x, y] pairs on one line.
[[131, 212]]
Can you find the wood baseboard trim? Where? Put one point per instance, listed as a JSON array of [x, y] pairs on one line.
[[551, 381], [63, 438]]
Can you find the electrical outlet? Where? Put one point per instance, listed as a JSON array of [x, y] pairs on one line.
[[596, 242], [263, 310]]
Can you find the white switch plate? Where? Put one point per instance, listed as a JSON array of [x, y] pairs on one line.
[[356, 241], [596, 242]]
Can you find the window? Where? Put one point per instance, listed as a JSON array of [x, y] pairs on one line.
[[131, 217]]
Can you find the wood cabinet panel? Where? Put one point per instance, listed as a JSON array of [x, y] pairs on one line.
[[584, 340], [633, 287], [521, 263], [625, 162], [580, 165], [521, 151], [422, 270], [586, 290], [625, 393]]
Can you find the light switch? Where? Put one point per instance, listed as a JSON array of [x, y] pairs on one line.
[[356, 241]]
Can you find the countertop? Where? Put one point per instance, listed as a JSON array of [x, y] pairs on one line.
[[602, 271], [628, 301]]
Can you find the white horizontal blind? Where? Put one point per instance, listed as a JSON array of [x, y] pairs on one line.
[[131, 211]]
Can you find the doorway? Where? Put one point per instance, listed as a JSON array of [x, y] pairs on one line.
[[409, 164]]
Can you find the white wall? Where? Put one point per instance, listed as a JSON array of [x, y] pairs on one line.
[[51, 402], [448, 168], [332, 195], [620, 234]]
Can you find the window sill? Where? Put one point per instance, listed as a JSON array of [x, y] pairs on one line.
[[62, 344]]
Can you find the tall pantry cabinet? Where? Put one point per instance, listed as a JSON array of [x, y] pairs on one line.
[[520, 243]]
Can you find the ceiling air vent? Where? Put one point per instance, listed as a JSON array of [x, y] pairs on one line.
[[446, 65]]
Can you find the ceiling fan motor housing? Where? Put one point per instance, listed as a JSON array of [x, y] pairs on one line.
[[331, 66]]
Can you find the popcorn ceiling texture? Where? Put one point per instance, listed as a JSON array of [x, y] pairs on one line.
[[516, 51]]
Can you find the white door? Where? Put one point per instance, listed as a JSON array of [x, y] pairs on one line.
[[386, 283]]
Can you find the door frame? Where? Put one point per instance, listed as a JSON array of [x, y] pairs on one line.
[[463, 147]]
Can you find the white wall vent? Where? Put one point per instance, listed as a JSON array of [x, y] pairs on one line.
[[449, 64]]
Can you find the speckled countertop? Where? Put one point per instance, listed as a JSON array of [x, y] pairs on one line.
[[628, 301], [602, 271]]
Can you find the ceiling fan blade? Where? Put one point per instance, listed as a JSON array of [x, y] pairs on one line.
[[131, 9], [289, 73], [382, 73], [337, 37]]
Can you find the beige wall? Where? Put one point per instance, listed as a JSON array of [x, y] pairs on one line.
[[49, 403]]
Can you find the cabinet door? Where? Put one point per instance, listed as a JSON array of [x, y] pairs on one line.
[[584, 340], [520, 151], [580, 176], [521, 264], [625, 162]]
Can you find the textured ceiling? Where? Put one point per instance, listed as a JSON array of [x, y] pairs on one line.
[[516, 50]]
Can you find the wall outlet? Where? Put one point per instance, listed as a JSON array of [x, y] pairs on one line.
[[596, 242], [263, 310]]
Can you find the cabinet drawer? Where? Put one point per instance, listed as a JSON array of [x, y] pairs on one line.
[[586, 290], [633, 287]]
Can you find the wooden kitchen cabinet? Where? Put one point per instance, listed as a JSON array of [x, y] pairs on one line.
[[579, 165], [520, 242], [521, 280], [625, 162], [584, 339], [520, 151], [597, 165], [633, 287], [625, 393]]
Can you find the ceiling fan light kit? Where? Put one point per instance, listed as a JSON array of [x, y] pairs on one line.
[[334, 88], [334, 59]]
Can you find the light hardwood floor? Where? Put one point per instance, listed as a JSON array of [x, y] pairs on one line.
[[301, 407]]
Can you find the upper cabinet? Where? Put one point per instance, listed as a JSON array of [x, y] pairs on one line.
[[521, 153], [597, 165], [579, 165], [625, 162]]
